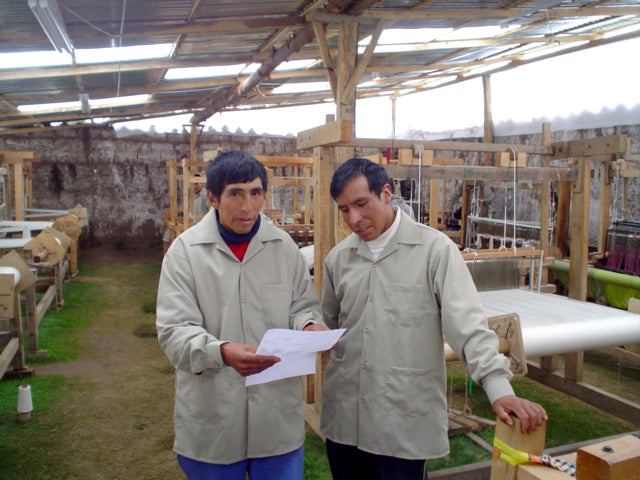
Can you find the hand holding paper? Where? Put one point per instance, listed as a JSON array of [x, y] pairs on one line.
[[297, 352]]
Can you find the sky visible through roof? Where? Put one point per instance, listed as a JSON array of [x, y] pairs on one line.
[[603, 79]]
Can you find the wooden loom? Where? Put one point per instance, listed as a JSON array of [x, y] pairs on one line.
[[180, 215], [572, 184]]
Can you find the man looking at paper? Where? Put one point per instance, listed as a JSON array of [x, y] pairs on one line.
[[397, 286], [224, 283]]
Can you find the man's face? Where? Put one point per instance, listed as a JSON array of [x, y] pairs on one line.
[[197, 187], [239, 205], [366, 214]]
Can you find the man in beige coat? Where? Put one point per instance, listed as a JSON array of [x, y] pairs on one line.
[[224, 283], [397, 286]]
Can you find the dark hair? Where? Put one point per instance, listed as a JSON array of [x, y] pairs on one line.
[[375, 174], [234, 166]]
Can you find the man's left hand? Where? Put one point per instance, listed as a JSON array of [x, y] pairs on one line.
[[531, 414]]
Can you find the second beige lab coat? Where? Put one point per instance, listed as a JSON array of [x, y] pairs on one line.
[[385, 384]]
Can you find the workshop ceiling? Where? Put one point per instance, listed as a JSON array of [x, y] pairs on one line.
[[270, 47]]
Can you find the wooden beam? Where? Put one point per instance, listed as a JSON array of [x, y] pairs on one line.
[[332, 133], [488, 116], [320, 32], [456, 172], [474, 14], [452, 145], [610, 145], [608, 402], [364, 59]]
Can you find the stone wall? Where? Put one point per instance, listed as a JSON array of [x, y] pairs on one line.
[[122, 181]]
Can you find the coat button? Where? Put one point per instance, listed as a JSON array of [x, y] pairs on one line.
[[243, 299]]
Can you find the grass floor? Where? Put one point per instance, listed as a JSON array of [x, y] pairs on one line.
[[103, 399]]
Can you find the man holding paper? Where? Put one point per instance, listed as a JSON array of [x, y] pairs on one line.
[[397, 286], [224, 283]]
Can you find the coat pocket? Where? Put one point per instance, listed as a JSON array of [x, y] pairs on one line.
[[405, 304], [276, 305], [412, 392]]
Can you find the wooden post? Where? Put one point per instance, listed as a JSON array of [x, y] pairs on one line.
[[346, 100], [324, 211], [187, 196], [488, 117], [18, 179], [578, 262], [307, 198], [562, 217], [30, 320], [605, 203], [513, 437], [548, 363]]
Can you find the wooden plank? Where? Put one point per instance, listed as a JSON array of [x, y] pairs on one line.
[[7, 354], [456, 172], [312, 417], [292, 181], [610, 145], [332, 133], [623, 355], [45, 303], [451, 145], [284, 161], [495, 253], [608, 402]]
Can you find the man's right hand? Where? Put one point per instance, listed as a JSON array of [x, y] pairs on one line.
[[244, 360]]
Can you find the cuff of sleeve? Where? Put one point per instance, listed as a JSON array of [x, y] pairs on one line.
[[496, 388], [214, 356]]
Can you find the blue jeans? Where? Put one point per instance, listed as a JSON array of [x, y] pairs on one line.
[[287, 466]]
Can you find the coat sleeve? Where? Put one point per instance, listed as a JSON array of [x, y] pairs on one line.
[[330, 303], [305, 306], [179, 321], [465, 325]]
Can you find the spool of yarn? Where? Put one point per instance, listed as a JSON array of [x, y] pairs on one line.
[[9, 270], [25, 403]]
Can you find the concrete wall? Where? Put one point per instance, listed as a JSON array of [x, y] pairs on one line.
[[122, 181]]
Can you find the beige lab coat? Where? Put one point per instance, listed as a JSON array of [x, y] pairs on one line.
[[206, 297], [385, 385]]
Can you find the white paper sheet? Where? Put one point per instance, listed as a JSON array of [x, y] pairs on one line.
[[297, 352]]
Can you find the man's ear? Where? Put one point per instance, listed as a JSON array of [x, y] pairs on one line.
[[386, 194], [212, 199]]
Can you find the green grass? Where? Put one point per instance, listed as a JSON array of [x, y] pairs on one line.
[[316, 466], [24, 446]]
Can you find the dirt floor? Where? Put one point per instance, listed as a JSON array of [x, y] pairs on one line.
[[123, 396]]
